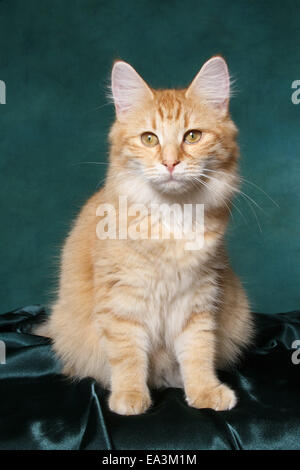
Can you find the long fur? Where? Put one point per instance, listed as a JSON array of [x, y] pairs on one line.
[[146, 313]]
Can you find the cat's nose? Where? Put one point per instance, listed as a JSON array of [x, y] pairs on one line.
[[170, 156], [171, 165]]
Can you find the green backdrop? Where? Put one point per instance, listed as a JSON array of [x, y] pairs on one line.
[[55, 59]]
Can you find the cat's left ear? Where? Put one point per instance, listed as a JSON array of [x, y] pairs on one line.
[[212, 84], [128, 88]]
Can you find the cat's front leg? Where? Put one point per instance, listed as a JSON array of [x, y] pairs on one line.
[[195, 349], [126, 349]]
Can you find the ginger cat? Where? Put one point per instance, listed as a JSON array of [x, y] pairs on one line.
[[140, 313]]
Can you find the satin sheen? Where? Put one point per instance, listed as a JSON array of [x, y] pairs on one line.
[[41, 409]]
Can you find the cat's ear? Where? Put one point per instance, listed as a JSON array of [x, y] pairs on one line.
[[128, 88], [212, 83]]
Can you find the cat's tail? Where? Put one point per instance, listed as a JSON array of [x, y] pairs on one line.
[[42, 329]]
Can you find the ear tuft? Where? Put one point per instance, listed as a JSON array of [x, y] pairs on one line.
[[212, 83], [128, 88]]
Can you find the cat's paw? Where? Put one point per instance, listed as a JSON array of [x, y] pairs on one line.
[[130, 402], [218, 397]]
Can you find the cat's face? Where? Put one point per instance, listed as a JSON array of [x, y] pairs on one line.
[[173, 140]]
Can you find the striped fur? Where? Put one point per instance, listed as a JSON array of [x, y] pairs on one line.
[[136, 314]]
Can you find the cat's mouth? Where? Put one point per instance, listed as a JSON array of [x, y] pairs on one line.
[[171, 177]]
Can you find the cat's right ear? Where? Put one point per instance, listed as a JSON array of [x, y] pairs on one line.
[[128, 88]]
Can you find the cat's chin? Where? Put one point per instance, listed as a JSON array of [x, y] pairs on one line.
[[171, 186]]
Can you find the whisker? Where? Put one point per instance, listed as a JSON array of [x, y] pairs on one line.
[[239, 192], [248, 182], [250, 199], [234, 205], [86, 163], [206, 185], [255, 215]]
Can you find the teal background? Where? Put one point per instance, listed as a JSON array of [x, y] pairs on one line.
[[55, 58]]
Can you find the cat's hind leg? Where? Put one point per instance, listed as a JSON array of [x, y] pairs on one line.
[[76, 341], [235, 322]]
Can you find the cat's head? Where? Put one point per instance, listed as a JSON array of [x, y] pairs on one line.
[[172, 142]]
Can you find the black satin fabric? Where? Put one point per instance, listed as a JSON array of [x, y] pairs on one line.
[[41, 409]]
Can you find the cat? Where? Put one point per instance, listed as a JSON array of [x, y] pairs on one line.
[[141, 313]]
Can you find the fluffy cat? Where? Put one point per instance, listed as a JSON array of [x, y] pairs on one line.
[[144, 313]]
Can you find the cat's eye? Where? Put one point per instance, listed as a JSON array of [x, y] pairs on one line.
[[149, 139], [193, 136]]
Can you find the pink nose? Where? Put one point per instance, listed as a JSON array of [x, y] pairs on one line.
[[170, 166]]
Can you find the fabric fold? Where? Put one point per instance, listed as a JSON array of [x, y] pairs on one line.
[[42, 409]]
